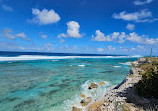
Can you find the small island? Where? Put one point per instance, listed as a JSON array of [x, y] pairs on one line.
[[137, 92]]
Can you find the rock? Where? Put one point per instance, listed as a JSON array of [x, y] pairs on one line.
[[101, 83], [76, 109], [92, 85], [82, 95], [96, 106], [130, 71], [86, 101]]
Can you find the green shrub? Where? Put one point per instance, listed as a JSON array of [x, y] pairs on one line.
[[148, 85]]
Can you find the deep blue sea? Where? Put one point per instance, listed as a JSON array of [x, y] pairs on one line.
[[32, 81]]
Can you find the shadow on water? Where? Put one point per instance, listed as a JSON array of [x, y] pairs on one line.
[[9, 99], [110, 71]]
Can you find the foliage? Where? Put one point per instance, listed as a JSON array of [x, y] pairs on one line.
[[148, 85]]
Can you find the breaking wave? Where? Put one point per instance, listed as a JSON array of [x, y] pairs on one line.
[[39, 57], [94, 94]]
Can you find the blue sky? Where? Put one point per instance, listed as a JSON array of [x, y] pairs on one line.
[[79, 26]]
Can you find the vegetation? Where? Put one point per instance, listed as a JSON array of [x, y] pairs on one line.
[[148, 85]]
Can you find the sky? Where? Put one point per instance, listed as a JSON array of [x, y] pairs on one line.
[[127, 27]]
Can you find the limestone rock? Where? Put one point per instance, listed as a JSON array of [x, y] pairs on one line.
[[101, 83], [92, 85], [82, 95], [76, 109], [96, 106], [86, 101]]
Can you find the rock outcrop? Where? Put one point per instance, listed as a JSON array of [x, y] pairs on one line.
[[76, 109], [82, 96], [92, 86], [95, 106], [101, 83], [120, 97], [86, 101]]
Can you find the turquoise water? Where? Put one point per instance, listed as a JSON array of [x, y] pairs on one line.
[[55, 85]]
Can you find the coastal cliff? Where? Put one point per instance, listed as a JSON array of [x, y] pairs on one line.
[[123, 97]]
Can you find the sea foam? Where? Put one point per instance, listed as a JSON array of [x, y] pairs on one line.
[[94, 93], [81, 65], [39, 57], [117, 66], [126, 63]]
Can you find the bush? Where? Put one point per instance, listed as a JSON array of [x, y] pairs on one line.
[[148, 85]]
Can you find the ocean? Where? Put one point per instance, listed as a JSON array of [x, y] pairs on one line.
[[31, 81]]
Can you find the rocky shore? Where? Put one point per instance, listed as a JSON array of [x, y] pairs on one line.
[[121, 97]]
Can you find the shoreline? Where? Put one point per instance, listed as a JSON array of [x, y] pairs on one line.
[[122, 96]]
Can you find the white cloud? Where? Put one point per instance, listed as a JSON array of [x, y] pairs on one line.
[[110, 48], [139, 2], [100, 36], [45, 16], [141, 16], [140, 47], [100, 49], [124, 49], [130, 26], [112, 37], [143, 39], [62, 35], [44, 36], [135, 38], [22, 35], [132, 49], [8, 33], [122, 37], [7, 8], [72, 31]]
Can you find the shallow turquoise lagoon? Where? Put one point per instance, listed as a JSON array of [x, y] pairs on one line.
[[56, 85]]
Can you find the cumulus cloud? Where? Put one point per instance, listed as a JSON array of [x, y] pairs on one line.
[[125, 50], [108, 49], [62, 35], [143, 39], [8, 33], [44, 36], [139, 2], [100, 49], [141, 16], [122, 37], [130, 26], [111, 48], [22, 35], [45, 16], [140, 47], [7, 8], [112, 37], [100, 36], [72, 31]]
